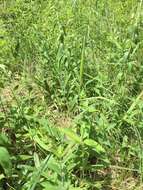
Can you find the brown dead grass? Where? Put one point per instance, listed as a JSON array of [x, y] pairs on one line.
[[60, 119], [6, 94], [128, 182]]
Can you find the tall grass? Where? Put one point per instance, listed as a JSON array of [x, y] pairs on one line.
[[71, 94]]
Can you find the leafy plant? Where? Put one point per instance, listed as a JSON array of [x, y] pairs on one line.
[[71, 94]]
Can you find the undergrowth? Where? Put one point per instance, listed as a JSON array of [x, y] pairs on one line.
[[71, 95]]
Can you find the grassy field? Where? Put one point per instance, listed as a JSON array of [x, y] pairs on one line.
[[71, 95]]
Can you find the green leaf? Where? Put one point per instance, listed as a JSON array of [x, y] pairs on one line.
[[54, 166], [36, 160], [3, 67], [94, 145], [51, 187], [2, 176], [76, 188], [4, 141], [47, 185], [41, 143], [24, 157], [37, 174], [5, 161], [71, 135]]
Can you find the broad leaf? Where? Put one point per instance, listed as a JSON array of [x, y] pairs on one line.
[[4, 141], [94, 145], [71, 135], [5, 161]]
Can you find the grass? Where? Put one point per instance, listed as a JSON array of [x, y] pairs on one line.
[[71, 95]]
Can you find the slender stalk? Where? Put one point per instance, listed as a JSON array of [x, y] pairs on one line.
[[82, 63]]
